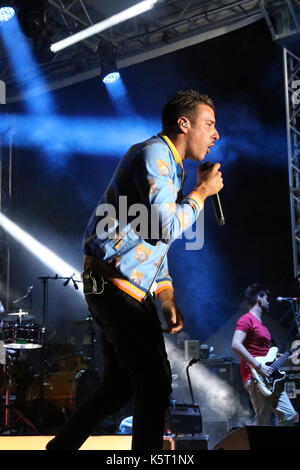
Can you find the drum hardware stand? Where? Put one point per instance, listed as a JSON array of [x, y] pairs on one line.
[[9, 408], [28, 295], [92, 334]]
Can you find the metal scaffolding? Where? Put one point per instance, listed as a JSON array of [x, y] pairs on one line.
[[283, 20], [169, 26], [5, 207], [292, 97]]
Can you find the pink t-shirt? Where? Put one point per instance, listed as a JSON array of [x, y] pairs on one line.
[[257, 341]]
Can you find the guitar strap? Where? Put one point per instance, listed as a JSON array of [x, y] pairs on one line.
[[274, 342]]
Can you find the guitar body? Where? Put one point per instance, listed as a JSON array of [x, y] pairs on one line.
[[267, 385]]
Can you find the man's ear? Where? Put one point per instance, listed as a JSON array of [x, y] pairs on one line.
[[183, 124]]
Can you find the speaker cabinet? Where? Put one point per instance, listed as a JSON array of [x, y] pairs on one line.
[[261, 438]]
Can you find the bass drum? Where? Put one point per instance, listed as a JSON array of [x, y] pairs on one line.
[[63, 391], [70, 362]]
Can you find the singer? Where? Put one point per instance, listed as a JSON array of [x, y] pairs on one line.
[[252, 339], [124, 271]]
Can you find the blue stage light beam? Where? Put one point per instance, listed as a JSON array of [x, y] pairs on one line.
[[61, 137], [40, 251], [119, 96], [25, 68]]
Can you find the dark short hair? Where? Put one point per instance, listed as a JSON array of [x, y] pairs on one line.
[[183, 103], [253, 292]]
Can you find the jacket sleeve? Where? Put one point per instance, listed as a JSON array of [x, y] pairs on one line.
[[155, 178], [163, 279]]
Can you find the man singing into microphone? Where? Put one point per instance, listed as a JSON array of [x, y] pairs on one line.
[[124, 270], [252, 339]]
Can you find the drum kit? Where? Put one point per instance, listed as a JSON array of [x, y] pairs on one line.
[[46, 398]]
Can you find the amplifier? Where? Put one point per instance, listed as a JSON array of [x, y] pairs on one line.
[[229, 371], [183, 419], [292, 385]]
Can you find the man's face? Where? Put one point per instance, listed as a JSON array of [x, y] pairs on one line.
[[264, 303], [202, 134]]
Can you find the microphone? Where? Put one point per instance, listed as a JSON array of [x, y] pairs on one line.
[[68, 280], [287, 299], [215, 199]]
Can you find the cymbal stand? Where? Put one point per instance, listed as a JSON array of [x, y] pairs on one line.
[[92, 334], [41, 419]]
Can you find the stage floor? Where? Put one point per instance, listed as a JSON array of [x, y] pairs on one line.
[[39, 443]]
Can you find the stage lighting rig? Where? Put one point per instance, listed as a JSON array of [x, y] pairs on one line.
[[124, 15], [7, 10], [32, 15]]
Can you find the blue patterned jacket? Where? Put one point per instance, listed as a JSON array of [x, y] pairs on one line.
[[139, 216]]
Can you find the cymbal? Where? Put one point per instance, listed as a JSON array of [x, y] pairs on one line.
[[22, 315], [82, 322], [18, 313]]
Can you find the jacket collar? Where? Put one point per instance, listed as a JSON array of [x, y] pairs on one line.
[[172, 148]]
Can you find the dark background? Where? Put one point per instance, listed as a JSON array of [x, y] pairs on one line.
[[54, 192]]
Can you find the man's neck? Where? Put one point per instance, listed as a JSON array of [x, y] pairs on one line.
[[256, 311], [179, 142]]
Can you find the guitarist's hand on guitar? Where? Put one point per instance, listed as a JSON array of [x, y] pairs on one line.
[[264, 370]]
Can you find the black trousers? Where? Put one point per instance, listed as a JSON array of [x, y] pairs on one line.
[[135, 366]]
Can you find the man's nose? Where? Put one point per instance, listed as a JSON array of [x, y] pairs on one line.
[[216, 135]]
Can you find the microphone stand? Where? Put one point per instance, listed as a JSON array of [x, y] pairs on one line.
[[295, 307], [192, 361], [41, 418], [45, 280], [296, 311]]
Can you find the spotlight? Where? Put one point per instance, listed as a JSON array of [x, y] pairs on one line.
[[111, 78], [7, 11], [109, 71]]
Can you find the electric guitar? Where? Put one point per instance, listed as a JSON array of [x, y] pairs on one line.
[[267, 385]]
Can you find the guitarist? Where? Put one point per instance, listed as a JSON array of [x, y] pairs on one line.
[[252, 339]]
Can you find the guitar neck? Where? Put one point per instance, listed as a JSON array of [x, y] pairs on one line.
[[280, 361]]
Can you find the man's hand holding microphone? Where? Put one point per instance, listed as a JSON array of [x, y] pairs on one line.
[[209, 183]]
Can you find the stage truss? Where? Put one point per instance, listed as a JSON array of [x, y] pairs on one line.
[[283, 20], [292, 98], [5, 208]]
